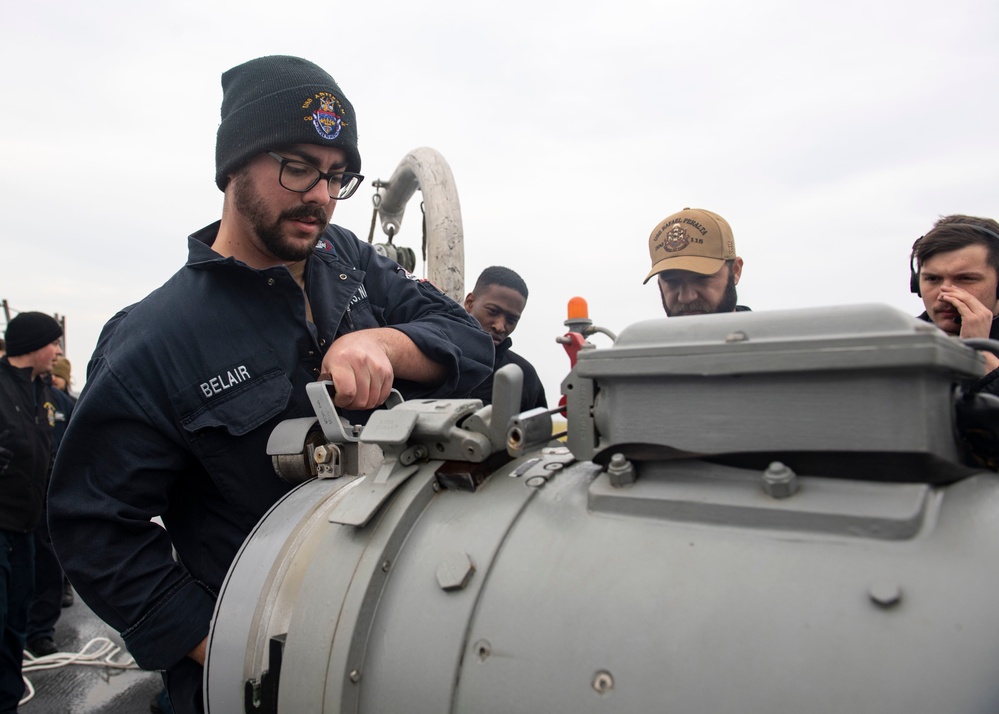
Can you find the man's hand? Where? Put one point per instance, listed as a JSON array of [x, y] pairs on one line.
[[5, 454], [362, 366], [976, 318], [359, 366]]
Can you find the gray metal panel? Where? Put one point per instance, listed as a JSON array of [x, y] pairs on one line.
[[269, 563], [330, 613], [418, 638], [834, 411], [814, 339], [864, 378], [687, 617], [699, 492], [690, 591]]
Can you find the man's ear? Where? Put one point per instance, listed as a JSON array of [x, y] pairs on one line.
[[469, 302], [737, 269]]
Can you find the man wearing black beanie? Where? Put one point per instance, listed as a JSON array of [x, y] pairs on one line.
[[186, 386], [27, 416]]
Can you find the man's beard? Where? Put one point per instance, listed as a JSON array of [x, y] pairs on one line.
[[251, 205], [700, 307]]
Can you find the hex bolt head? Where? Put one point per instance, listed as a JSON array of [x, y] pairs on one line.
[[779, 481], [621, 471], [321, 454], [455, 571]]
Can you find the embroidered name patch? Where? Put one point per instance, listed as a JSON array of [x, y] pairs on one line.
[[227, 380], [359, 296]]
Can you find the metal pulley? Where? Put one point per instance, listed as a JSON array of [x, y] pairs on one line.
[[401, 254], [404, 256]]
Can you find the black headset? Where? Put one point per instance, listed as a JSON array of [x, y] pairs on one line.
[[914, 274]]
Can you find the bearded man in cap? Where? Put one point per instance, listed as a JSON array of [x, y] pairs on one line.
[[693, 255], [27, 417], [186, 386]]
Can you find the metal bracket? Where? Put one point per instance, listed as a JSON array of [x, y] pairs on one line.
[[368, 496], [321, 395], [389, 429]]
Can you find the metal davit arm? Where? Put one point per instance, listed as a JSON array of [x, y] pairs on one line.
[[425, 169]]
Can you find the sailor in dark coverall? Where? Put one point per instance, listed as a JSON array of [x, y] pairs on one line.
[[185, 387], [27, 416], [497, 302]]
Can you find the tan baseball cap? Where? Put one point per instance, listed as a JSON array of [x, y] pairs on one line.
[[693, 239], [61, 368]]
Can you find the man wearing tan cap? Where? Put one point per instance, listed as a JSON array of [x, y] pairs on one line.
[[693, 253]]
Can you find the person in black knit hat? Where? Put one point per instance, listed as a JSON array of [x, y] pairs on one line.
[[27, 417], [186, 386], [275, 101]]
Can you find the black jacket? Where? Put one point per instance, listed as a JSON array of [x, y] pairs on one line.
[[534, 392], [27, 416]]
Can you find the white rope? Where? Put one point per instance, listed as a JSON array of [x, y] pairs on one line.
[[99, 652]]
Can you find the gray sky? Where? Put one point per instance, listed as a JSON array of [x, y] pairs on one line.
[[829, 135]]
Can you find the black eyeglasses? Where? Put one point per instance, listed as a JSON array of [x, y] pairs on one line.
[[300, 177]]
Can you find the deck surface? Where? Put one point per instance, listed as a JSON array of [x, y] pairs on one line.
[[89, 689]]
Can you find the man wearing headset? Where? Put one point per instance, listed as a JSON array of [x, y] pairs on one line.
[[955, 269]]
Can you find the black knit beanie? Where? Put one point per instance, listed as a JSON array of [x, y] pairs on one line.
[[271, 102], [30, 331]]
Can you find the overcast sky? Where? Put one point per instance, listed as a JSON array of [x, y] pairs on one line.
[[829, 135]]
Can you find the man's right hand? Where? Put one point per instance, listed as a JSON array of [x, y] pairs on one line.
[[976, 318]]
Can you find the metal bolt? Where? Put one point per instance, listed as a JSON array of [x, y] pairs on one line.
[[779, 481], [412, 455], [738, 336], [620, 471], [355, 675], [455, 571], [885, 593], [536, 481], [553, 467], [321, 454], [386, 565], [603, 681]]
